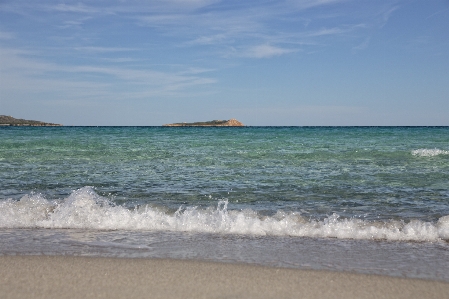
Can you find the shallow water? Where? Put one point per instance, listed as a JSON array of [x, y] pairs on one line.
[[365, 199], [400, 259]]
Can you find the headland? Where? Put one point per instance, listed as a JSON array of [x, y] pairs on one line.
[[6, 120], [214, 123]]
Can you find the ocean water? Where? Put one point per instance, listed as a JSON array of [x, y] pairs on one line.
[[363, 199]]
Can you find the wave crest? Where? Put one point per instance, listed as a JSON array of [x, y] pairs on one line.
[[424, 152], [87, 210]]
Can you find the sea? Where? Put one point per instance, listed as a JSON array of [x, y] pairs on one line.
[[371, 200]]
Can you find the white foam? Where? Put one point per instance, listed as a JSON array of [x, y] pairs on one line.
[[87, 210], [424, 152]]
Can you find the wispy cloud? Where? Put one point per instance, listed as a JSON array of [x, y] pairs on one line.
[[195, 70], [362, 46], [438, 13], [120, 59], [75, 23], [265, 51], [338, 30], [76, 8], [209, 40], [326, 31], [220, 24], [236, 31], [306, 4], [20, 72], [105, 49], [387, 14]]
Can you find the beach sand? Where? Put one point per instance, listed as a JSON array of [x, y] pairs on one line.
[[86, 277]]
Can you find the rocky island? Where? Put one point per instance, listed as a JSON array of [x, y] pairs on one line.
[[214, 123], [11, 121]]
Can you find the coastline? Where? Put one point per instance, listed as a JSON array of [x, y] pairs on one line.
[[96, 277], [9, 121]]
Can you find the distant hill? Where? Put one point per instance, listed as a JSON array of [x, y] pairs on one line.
[[213, 123], [11, 121]]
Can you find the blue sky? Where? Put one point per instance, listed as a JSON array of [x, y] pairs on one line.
[[292, 62]]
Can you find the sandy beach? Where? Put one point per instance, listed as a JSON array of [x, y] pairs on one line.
[[86, 277]]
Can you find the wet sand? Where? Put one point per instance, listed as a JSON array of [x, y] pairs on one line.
[[86, 277]]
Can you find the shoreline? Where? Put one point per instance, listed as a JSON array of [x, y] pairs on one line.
[[98, 277]]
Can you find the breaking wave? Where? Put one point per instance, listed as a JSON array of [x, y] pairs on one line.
[[87, 210], [424, 152]]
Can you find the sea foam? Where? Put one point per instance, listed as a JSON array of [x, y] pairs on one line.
[[424, 152], [84, 209]]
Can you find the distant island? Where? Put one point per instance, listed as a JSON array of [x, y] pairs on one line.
[[214, 123], [6, 120]]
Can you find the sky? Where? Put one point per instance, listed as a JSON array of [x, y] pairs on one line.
[[265, 63]]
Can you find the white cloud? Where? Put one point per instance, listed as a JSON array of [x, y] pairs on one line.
[[342, 29], [305, 4], [189, 3], [78, 8], [265, 51], [326, 31], [209, 40], [105, 49]]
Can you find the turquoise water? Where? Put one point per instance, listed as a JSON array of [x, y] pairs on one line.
[[372, 173], [385, 184]]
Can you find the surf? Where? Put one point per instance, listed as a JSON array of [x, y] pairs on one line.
[[85, 209]]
